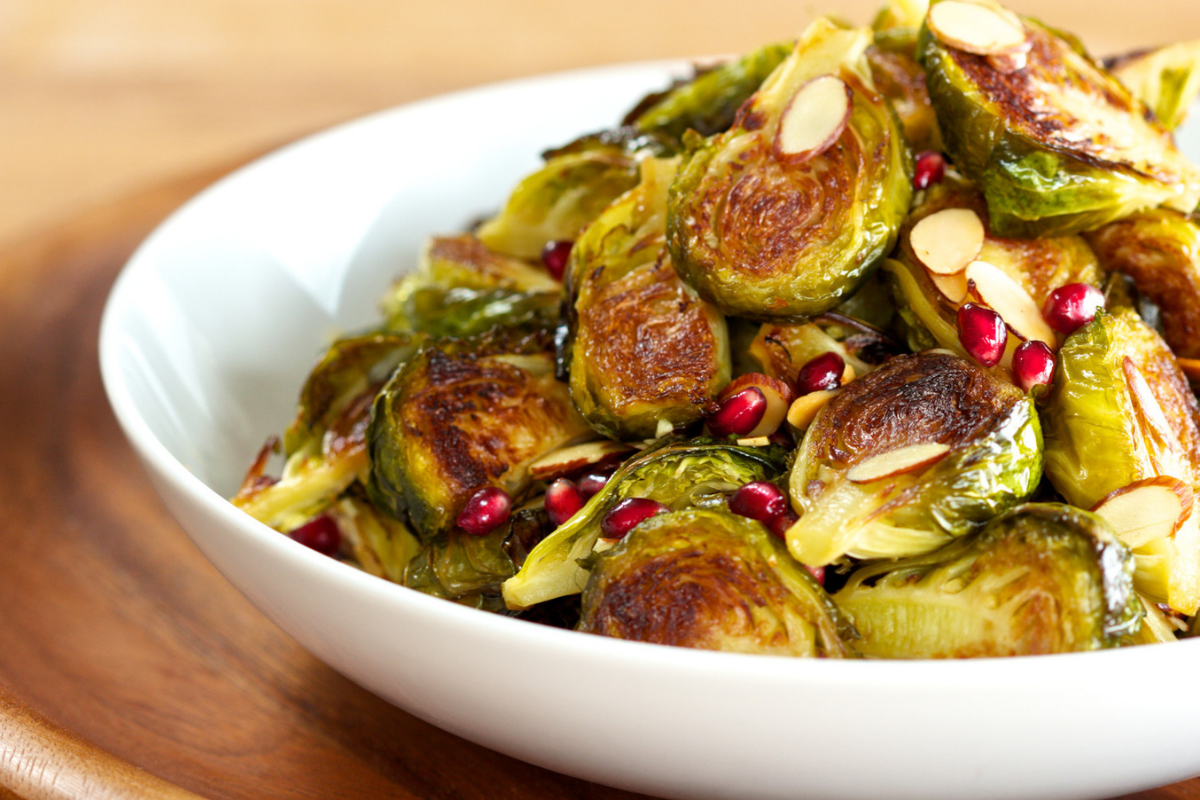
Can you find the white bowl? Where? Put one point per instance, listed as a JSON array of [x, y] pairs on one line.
[[206, 339]]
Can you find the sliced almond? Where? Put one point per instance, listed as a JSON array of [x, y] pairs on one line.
[[897, 462], [1162, 443], [948, 240], [952, 287], [804, 410], [1146, 510], [975, 28], [848, 374], [815, 118], [567, 460], [1008, 62], [778, 394], [1009, 299], [755, 441]]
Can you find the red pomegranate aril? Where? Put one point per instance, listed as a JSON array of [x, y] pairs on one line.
[[321, 534], [739, 414], [758, 500], [628, 514], [1032, 365], [982, 333], [1072, 306], [930, 168], [817, 572], [554, 258], [591, 483], [563, 500], [822, 373], [780, 524], [485, 511]]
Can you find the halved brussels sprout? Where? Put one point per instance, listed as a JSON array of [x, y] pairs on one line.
[[900, 14], [770, 233], [928, 303], [1165, 79], [714, 581], [1160, 250], [1120, 411], [1043, 578], [462, 415], [698, 473], [921, 450], [556, 202], [1057, 144], [708, 103], [381, 545], [642, 349], [900, 78], [325, 445]]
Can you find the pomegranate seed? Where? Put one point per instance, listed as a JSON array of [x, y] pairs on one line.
[[780, 524], [930, 168], [591, 483], [485, 511], [563, 500], [1072, 306], [554, 258], [1033, 365], [982, 333], [758, 500], [628, 514], [816, 572], [321, 534], [739, 414], [821, 373]]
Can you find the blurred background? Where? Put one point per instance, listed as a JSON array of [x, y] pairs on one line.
[[99, 98]]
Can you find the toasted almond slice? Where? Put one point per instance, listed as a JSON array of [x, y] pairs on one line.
[[779, 396], [755, 441], [1008, 62], [804, 410], [948, 240], [897, 462], [848, 374], [1146, 510], [952, 287], [975, 28], [815, 118], [1009, 299], [566, 460]]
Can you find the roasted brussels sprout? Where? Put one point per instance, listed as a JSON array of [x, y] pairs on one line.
[[1043, 578], [560, 199], [707, 103], [900, 15], [1120, 413], [698, 473], [927, 302], [780, 219], [380, 544], [325, 447], [643, 351], [1160, 250], [462, 415], [1165, 79], [1056, 143], [921, 450], [900, 78], [711, 580]]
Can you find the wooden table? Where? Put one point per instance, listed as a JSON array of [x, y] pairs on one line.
[[128, 667]]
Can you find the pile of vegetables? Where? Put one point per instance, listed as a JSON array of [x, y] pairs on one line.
[[874, 344]]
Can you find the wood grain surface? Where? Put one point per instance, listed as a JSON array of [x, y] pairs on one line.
[[129, 668]]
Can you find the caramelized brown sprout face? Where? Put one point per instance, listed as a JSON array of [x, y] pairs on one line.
[[710, 580], [902, 460], [1056, 143], [1043, 578]]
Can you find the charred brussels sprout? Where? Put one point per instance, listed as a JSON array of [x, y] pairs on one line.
[[1120, 412], [560, 199], [1160, 250], [462, 415], [900, 78], [642, 348], [699, 473], [710, 580], [928, 302], [769, 225], [1057, 144], [1043, 578], [921, 450], [707, 103], [1166, 79], [381, 545]]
